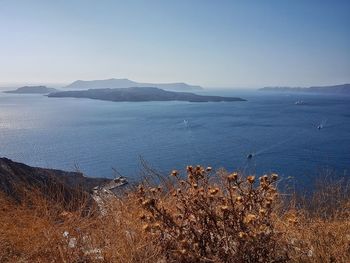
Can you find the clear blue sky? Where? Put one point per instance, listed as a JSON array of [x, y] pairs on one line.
[[210, 43]]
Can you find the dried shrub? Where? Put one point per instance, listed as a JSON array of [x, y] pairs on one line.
[[211, 217]]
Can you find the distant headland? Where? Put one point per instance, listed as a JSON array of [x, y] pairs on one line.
[[126, 83], [336, 89], [138, 94], [32, 90]]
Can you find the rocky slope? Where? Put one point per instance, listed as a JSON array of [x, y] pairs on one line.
[[17, 180]]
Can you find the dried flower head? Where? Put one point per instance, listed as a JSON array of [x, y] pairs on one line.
[[232, 177], [143, 217], [141, 189], [224, 208], [174, 173], [249, 218], [183, 251], [214, 191], [146, 227], [274, 176], [262, 211], [156, 226], [293, 220], [251, 179], [242, 235]]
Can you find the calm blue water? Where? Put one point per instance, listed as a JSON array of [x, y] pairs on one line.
[[99, 135]]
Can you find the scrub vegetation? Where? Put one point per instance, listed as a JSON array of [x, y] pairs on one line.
[[197, 216]]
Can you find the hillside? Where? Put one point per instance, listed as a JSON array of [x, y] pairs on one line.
[[137, 94], [17, 178], [126, 83], [32, 90]]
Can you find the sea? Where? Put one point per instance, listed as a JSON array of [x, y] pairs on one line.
[[297, 135]]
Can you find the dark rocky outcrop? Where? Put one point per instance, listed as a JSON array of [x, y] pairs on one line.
[[17, 180]]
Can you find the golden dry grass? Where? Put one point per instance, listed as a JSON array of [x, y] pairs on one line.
[[200, 216]]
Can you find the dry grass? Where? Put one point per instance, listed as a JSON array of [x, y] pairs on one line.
[[198, 217]]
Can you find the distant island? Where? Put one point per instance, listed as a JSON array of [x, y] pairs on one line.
[[337, 89], [137, 94], [126, 83], [32, 90]]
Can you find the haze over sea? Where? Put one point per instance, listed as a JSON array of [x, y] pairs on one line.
[[98, 135]]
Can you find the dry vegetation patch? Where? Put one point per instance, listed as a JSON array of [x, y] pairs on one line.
[[198, 216]]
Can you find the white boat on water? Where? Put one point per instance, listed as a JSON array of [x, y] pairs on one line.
[[299, 102]]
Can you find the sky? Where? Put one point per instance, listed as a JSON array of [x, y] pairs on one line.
[[214, 43]]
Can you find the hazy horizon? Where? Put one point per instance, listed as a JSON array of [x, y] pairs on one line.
[[61, 85], [212, 44], [13, 85]]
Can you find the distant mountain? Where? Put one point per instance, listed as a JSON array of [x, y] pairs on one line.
[[32, 90], [337, 89], [126, 83], [140, 94]]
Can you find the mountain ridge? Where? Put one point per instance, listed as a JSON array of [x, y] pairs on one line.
[[126, 83]]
